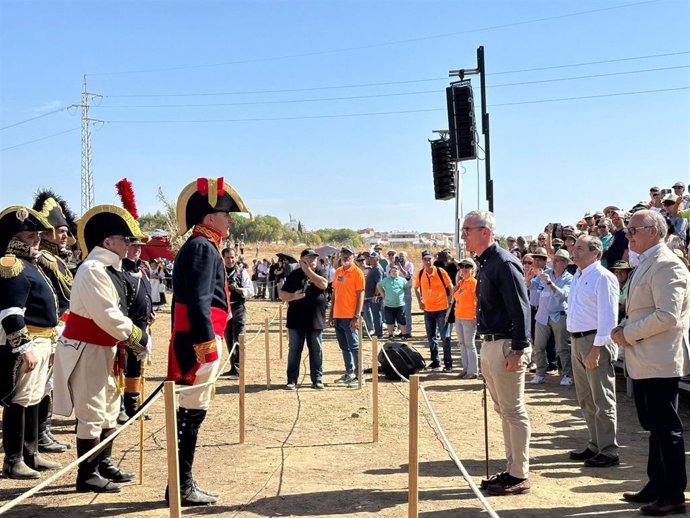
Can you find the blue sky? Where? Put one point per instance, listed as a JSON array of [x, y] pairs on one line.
[[255, 93]]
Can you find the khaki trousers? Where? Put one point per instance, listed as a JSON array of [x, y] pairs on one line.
[[31, 385], [507, 390], [596, 394]]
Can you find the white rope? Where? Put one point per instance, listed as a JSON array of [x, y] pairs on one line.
[[444, 440], [455, 459], [12, 503]]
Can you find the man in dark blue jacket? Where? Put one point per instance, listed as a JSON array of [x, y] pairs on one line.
[[503, 321], [201, 309]]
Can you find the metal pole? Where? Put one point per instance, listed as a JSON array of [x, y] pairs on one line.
[[485, 129]]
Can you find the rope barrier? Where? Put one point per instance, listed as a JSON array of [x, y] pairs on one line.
[[446, 444], [149, 401], [140, 411]]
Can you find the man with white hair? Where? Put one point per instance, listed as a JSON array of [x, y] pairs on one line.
[[654, 333], [503, 321]]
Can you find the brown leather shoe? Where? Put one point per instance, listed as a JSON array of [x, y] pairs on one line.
[[510, 486]]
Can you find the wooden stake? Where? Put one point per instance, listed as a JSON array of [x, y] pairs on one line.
[[141, 427], [375, 389], [360, 370], [171, 442], [242, 362], [268, 355], [280, 329], [413, 462]]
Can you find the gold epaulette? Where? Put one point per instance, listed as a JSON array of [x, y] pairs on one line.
[[10, 266]]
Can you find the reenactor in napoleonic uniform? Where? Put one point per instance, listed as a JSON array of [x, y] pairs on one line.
[[28, 330], [53, 261], [139, 306], [140, 310], [200, 312], [85, 379]]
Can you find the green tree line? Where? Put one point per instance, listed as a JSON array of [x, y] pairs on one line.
[[263, 228]]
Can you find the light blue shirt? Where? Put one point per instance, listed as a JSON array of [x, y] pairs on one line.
[[553, 303]]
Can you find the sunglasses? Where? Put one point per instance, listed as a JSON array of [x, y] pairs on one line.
[[527, 262], [465, 267], [602, 226], [633, 230]]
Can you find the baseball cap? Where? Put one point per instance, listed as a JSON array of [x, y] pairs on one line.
[[392, 252], [557, 242], [467, 262], [348, 249], [427, 253], [588, 215], [374, 255], [510, 238], [679, 184], [308, 251]]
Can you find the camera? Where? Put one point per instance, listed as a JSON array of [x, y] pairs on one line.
[[397, 260], [232, 286], [665, 191]]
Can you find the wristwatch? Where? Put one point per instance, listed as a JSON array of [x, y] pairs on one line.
[[549, 283]]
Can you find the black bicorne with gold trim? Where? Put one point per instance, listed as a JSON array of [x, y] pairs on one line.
[[57, 212], [104, 221], [17, 219], [206, 196]]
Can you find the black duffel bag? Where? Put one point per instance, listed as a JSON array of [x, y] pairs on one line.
[[405, 359]]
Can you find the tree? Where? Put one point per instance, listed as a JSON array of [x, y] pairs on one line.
[[150, 222]]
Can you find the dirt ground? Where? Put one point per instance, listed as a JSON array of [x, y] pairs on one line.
[[310, 453]]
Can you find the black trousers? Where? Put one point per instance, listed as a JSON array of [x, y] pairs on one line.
[[656, 400], [233, 329]]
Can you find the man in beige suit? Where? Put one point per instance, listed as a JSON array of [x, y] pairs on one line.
[[655, 336]]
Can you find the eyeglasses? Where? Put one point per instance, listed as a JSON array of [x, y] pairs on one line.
[[633, 230], [602, 226], [678, 187], [527, 262], [465, 267], [466, 230]]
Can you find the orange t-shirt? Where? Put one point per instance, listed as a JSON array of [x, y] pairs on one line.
[[346, 284], [432, 290], [466, 299]]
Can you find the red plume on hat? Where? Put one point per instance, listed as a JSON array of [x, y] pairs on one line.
[[126, 193]]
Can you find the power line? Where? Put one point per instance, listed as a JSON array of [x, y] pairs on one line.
[[372, 96], [344, 115], [39, 139], [389, 83], [38, 117], [381, 44]]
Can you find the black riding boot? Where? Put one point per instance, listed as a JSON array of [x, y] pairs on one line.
[[47, 443], [122, 417], [188, 424], [13, 444], [88, 478], [105, 465], [32, 457]]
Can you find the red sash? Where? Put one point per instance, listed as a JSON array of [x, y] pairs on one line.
[[84, 329]]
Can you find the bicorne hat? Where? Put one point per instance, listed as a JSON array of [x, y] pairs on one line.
[[17, 219], [104, 221], [53, 208], [206, 196]]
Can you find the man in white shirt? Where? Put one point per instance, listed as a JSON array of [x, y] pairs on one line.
[[592, 314]]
